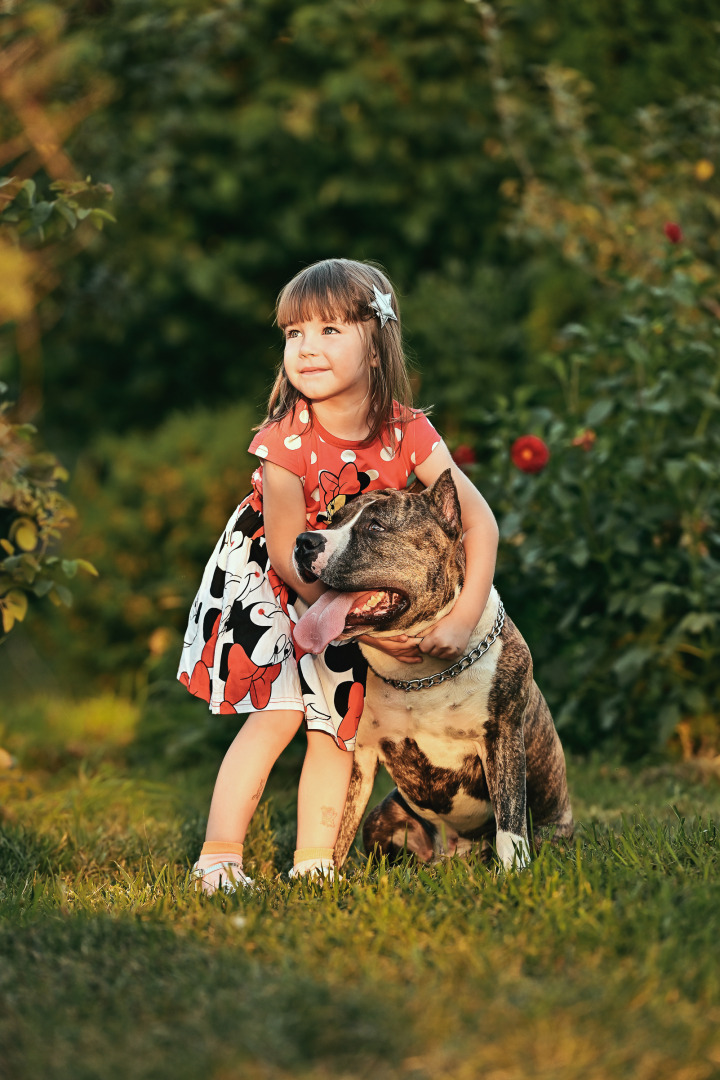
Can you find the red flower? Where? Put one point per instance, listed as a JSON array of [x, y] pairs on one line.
[[530, 454], [673, 232], [585, 440], [464, 455]]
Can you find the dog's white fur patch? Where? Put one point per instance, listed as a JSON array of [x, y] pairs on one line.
[[336, 540], [416, 714], [513, 850]]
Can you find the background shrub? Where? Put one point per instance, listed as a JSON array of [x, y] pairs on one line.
[[152, 508], [610, 556]]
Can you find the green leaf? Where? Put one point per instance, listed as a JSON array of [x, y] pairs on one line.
[[653, 604], [40, 213], [63, 594], [579, 553], [24, 534], [627, 544], [598, 411], [637, 352], [88, 567], [14, 607], [697, 621], [511, 524], [103, 215], [674, 469], [25, 431], [631, 663], [65, 212]]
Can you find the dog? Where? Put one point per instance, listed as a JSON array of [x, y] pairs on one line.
[[475, 755]]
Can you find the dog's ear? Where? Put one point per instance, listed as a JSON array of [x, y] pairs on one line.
[[443, 499]]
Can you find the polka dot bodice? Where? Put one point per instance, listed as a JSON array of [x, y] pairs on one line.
[[333, 471]]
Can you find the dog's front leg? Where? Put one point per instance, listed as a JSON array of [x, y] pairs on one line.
[[365, 767], [503, 757]]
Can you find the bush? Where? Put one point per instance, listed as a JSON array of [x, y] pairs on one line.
[[33, 514], [610, 556], [152, 508]]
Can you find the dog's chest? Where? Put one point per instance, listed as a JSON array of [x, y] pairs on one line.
[[446, 721]]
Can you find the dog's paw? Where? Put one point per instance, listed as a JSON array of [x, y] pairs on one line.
[[513, 850]]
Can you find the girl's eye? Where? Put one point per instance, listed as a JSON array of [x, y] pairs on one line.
[[331, 330], [291, 333]]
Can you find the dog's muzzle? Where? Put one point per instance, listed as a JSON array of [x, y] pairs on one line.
[[308, 546]]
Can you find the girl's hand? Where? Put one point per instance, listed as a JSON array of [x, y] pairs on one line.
[[401, 648], [447, 639]]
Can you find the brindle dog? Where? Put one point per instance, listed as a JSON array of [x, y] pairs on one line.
[[475, 758]]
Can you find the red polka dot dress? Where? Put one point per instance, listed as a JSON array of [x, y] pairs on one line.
[[239, 654]]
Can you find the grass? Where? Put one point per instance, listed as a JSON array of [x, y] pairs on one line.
[[600, 962]]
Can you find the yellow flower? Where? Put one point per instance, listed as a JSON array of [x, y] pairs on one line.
[[704, 169]]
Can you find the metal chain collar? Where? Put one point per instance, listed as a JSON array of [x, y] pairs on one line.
[[449, 673]]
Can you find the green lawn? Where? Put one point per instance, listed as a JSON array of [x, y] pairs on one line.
[[598, 963]]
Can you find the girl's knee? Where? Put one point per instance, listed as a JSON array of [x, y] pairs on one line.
[[322, 744], [280, 724]]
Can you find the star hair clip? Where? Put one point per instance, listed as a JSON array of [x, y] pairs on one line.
[[382, 307]]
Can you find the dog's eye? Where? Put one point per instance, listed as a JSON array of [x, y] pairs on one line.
[[375, 526]]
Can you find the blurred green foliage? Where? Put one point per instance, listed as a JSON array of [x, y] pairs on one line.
[[245, 141], [33, 514], [40, 225], [512, 166], [612, 553], [152, 507]]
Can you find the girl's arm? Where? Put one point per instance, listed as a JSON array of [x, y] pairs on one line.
[[284, 517], [449, 637]]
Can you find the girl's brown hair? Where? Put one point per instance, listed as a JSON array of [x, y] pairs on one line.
[[342, 289]]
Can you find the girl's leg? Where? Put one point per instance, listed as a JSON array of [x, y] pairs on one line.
[[321, 799], [245, 769], [241, 779]]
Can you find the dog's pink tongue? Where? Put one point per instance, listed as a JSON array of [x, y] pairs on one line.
[[324, 621]]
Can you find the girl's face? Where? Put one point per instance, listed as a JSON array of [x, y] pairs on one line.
[[325, 360]]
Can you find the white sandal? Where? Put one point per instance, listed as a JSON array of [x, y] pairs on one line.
[[324, 870], [211, 877]]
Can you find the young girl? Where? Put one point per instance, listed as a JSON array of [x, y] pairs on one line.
[[339, 423]]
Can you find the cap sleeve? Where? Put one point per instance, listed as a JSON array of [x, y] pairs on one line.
[[285, 442], [420, 440]]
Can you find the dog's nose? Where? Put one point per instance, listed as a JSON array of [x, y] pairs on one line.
[[308, 544]]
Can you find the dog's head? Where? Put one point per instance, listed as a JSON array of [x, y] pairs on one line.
[[397, 554]]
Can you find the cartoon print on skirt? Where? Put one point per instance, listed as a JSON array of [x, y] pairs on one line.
[[239, 655]]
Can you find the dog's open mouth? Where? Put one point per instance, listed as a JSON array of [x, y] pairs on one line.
[[335, 613], [371, 607]]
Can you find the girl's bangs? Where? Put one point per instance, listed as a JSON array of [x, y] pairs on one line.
[[314, 296]]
